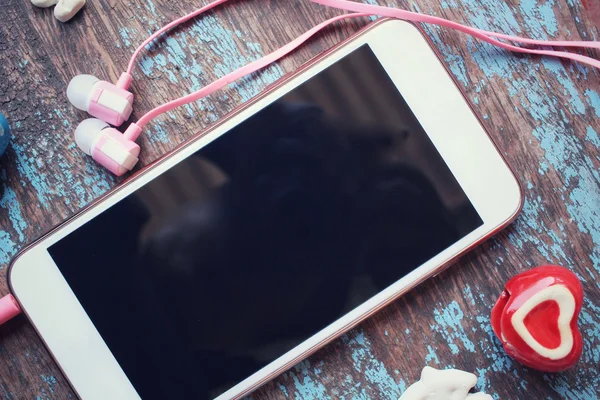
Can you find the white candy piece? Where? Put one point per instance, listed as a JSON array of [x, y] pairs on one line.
[[449, 384], [66, 9], [44, 3]]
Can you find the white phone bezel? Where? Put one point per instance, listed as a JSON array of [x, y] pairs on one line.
[[441, 109]]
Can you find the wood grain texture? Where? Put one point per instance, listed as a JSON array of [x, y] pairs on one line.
[[543, 114]]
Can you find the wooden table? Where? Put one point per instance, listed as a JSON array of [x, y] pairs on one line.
[[543, 114]]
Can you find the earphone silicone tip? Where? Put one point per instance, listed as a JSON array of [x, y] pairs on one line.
[[80, 89], [86, 133]]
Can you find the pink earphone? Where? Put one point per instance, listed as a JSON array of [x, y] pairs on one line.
[[112, 104], [101, 99]]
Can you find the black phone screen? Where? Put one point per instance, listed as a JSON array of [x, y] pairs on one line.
[[267, 235]]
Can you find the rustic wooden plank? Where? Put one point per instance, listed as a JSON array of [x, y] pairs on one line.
[[543, 114]]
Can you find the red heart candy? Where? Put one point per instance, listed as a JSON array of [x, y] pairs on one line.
[[535, 318]]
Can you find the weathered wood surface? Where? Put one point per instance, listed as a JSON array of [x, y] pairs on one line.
[[544, 114]]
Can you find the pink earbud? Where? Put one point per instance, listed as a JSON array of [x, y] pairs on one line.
[[104, 100], [114, 150], [9, 308]]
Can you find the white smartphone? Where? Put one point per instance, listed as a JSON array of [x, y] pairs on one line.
[[254, 244]]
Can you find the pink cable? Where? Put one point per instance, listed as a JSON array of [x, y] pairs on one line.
[[483, 35], [239, 73], [169, 27], [361, 10]]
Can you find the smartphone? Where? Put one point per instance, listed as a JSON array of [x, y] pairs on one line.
[[262, 239]]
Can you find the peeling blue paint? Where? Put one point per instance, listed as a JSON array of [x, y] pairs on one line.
[[283, 390], [539, 18], [564, 387], [469, 295], [449, 323], [592, 136], [565, 79], [9, 202], [483, 383], [125, 36], [8, 248], [31, 167], [306, 387], [151, 7], [374, 370], [431, 356], [28, 168], [590, 327], [593, 99], [531, 228], [585, 208], [50, 381]]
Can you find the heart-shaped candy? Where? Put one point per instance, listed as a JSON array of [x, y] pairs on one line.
[[535, 318]]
